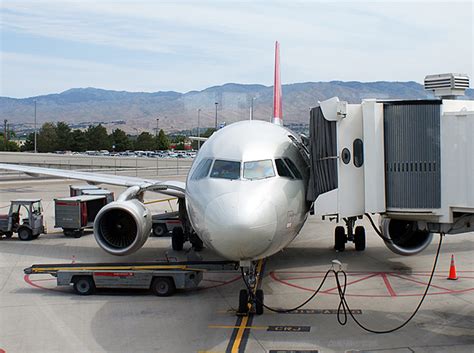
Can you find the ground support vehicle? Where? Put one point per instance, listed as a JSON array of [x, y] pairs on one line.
[[74, 214], [25, 218], [165, 223], [162, 278], [78, 190]]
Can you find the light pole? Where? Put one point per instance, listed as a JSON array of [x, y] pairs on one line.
[[157, 124], [251, 108], [36, 151], [199, 132], [216, 115]]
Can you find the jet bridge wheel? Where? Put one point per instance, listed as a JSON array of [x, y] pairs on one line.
[[177, 239], [339, 238], [359, 238]]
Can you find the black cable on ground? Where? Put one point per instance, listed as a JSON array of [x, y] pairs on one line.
[[285, 311], [343, 307], [376, 229]]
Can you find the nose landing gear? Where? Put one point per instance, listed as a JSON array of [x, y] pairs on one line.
[[357, 236], [251, 300]]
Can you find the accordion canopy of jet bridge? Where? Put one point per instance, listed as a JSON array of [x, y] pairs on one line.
[[323, 152]]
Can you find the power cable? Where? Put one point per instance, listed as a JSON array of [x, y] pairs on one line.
[[343, 307]]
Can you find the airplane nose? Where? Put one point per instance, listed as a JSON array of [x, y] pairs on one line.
[[240, 226]]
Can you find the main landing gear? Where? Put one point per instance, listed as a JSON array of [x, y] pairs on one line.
[[357, 236], [179, 237], [186, 233], [250, 299]]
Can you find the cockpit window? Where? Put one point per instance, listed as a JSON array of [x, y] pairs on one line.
[[258, 169], [225, 169], [293, 168], [282, 169], [202, 170]]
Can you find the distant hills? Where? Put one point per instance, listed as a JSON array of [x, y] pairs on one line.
[[178, 111]]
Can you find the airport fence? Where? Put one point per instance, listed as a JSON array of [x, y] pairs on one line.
[[118, 165]]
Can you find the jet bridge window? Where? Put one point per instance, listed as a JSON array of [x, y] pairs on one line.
[[225, 169], [202, 169], [293, 168], [258, 169], [282, 169]]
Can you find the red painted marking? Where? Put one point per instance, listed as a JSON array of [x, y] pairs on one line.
[[3, 351], [114, 274], [351, 282], [419, 282], [213, 280], [222, 284], [274, 276], [388, 285], [31, 283]]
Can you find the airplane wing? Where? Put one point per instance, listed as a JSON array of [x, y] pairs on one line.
[[172, 188]]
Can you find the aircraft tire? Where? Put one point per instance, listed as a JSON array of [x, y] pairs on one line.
[[177, 239], [339, 238], [243, 302], [359, 238], [259, 302]]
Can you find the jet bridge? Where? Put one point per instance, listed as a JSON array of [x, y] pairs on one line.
[[412, 161]]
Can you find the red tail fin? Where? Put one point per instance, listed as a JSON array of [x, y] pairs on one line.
[[277, 107]]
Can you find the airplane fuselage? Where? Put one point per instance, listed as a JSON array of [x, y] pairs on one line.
[[244, 197]]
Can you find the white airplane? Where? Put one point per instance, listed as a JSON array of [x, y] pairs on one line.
[[245, 195]]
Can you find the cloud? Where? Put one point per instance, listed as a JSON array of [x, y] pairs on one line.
[[187, 45]]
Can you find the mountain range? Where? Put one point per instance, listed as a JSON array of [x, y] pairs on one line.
[[138, 111]]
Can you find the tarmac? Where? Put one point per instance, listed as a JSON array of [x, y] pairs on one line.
[[383, 290]]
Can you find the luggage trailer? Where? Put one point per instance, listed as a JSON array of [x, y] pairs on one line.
[[162, 278]]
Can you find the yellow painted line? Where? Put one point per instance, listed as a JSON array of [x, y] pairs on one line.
[[243, 324], [113, 268], [161, 200], [240, 333], [233, 326]]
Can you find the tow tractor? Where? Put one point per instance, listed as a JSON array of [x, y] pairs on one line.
[[25, 218], [162, 278]]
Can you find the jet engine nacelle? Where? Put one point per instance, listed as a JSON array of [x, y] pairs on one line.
[[122, 227], [406, 238]]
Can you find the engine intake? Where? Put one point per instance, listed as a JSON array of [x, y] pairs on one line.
[[406, 238], [122, 227]]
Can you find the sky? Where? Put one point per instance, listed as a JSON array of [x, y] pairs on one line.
[[49, 46]]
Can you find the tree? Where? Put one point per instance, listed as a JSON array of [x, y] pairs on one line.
[[78, 141], [120, 140], [29, 144], [47, 139], [163, 142], [145, 142], [11, 146], [63, 133], [97, 138]]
